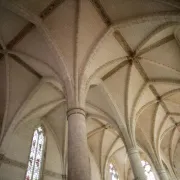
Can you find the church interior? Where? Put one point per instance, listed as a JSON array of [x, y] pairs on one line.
[[89, 90]]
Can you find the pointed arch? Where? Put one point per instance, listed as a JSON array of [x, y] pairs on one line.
[[36, 156]]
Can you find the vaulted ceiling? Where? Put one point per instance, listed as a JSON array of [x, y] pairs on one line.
[[120, 60]]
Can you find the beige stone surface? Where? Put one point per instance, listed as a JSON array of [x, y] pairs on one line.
[[118, 60]]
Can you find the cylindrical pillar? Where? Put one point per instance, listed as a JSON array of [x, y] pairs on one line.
[[136, 165], [162, 174], [78, 157]]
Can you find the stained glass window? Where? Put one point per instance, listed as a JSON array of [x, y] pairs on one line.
[[36, 155], [113, 172], [148, 170]]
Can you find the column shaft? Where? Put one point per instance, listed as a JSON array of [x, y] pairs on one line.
[[162, 174], [78, 157], [136, 165]]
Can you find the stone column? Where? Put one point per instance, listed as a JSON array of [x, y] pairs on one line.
[[162, 174], [78, 157], [136, 165]]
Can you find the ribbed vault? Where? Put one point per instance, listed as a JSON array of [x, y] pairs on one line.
[[119, 60]]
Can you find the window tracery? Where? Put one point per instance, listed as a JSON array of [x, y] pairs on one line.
[[148, 170], [113, 172], [36, 155]]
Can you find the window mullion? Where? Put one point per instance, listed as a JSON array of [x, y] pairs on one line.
[[35, 156]]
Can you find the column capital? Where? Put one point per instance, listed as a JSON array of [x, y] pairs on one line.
[[133, 150], [75, 110], [161, 171]]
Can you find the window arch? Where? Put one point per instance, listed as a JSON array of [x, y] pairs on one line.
[[113, 172], [148, 170], [35, 162]]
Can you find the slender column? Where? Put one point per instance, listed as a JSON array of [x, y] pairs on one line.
[[136, 165], [162, 174], [78, 157]]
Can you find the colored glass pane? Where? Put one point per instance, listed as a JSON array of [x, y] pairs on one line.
[[148, 170], [113, 172], [36, 155]]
